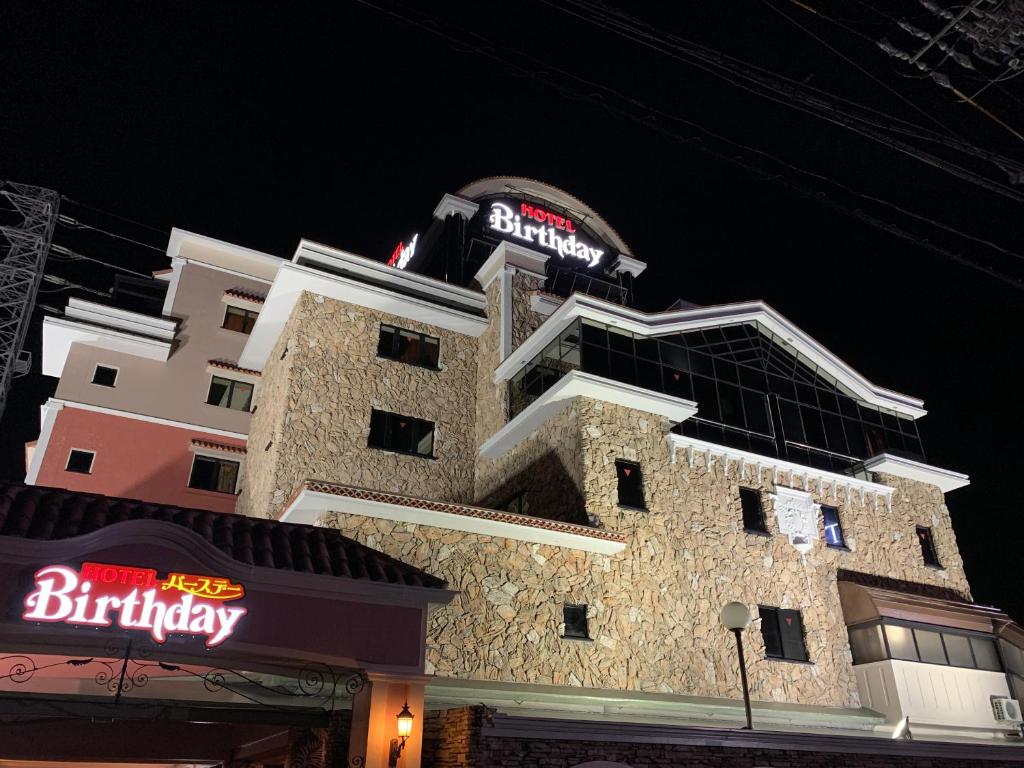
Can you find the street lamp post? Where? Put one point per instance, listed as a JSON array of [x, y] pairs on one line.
[[736, 617]]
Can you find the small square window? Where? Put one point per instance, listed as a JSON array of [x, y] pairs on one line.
[[631, 484], [924, 537], [833, 530], [408, 346], [575, 618], [402, 434], [104, 375], [783, 633], [241, 320], [753, 511], [80, 461], [228, 393], [213, 474]]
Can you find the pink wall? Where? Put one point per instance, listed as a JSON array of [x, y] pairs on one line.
[[136, 459]]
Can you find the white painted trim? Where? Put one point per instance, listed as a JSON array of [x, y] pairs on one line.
[[232, 272], [505, 300], [121, 319], [174, 279], [181, 236], [293, 279], [578, 384], [144, 417], [356, 267], [509, 254], [59, 334], [644, 324], [246, 304], [92, 464], [308, 507], [625, 263], [454, 204], [543, 304], [945, 479], [743, 458], [47, 417]]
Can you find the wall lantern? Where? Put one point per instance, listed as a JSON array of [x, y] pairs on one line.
[[404, 731], [736, 617]]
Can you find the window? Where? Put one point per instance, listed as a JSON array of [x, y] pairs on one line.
[[228, 393], [924, 536], [241, 320], [753, 512], [211, 474], [833, 530], [575, 618], [408, 346], [80, 461], [783, 633], [403, 434], [631, 484], [923, 643], [104, 375]]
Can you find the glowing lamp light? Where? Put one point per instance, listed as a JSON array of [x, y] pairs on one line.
[[735, 616], [405, 718]]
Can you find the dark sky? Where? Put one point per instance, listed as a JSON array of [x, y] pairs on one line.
[[262, 124]]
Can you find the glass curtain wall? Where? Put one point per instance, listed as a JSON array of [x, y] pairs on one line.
[[751, 391]]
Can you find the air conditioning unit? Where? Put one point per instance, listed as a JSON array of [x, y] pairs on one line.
[[1006, 710]]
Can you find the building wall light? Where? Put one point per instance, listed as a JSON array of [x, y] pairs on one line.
[[405, 718]]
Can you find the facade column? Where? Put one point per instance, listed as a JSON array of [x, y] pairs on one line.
[[375, 720]]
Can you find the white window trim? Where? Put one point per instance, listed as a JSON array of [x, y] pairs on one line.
[[117, 374], [92, 464], [209, 453], [240, 303], [238, 379]]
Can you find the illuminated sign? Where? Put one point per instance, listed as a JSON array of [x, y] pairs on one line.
[[550, 230], [402, 254], [182, 603]]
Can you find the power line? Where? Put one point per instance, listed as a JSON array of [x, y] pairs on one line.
[[75, 224], [115, 215], [68, 284], [490, 50], [75, 256]]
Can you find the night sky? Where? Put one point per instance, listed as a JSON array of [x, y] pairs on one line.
[[260, 125]]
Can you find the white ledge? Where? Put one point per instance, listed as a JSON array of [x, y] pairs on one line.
[[309, 505], [59, 334], [454, 204], [579, 384], [121, 319], [946, 479], [742, 458]]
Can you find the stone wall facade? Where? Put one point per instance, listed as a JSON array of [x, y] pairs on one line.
[[315, 405], [459, 738], [653, 609]]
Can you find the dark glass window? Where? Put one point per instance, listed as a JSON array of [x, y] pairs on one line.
[[104, 375], [867, 644], [924, 537], [783, 633], [211, 474], [753, 512], [241, 320], [80, 461], [402, 434], [408, 346], [228, 393], [923, 643], [929, 646], [833, 530], [985, 654], [575, 618], [958, 649], [631, 484]]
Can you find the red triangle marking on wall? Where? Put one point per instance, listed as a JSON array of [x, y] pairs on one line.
[[628, 471]]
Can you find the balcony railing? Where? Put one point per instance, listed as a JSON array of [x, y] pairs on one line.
[[742, 404]]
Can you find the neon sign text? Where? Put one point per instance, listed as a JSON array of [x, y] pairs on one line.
[[503, 219], [403, 254], [182, 603]]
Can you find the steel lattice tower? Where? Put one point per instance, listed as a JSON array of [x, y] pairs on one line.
[[22, 261]]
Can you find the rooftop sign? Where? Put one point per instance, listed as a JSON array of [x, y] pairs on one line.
[[403, 254], [182, 603], [545, 228]]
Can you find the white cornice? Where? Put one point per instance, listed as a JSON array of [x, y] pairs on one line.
[[308, 506], [545, 304], [509, 254], [59, 334], [625, 263], [798, 473], [644, 324], [578, 384], [222, 255], [122, 319], [293, 279], [945, 479], [454, 204]]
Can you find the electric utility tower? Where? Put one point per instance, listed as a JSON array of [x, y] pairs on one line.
[[23, 248]]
